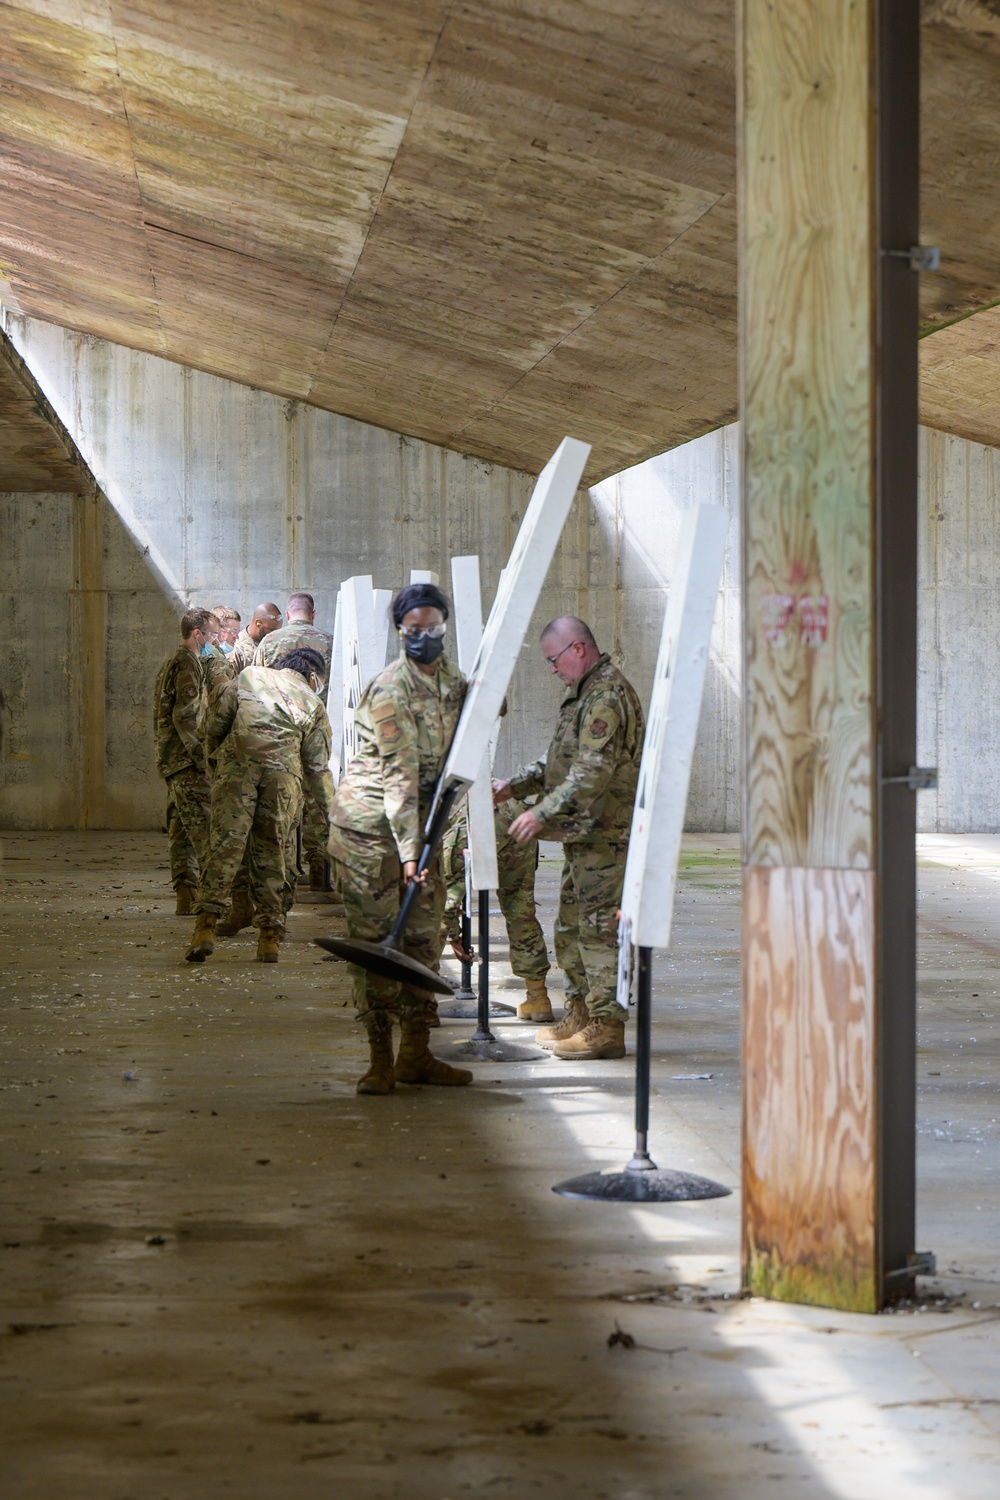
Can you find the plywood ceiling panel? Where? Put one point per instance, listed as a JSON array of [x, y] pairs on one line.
[[480, 222], [37, 456]]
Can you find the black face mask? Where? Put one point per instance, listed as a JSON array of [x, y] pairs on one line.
[[425, 650]]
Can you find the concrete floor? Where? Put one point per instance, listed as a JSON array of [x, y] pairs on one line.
[[225, 1273]]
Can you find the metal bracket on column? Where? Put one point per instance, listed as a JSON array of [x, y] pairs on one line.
[[920, 257], [918, 1263], [918, 779]]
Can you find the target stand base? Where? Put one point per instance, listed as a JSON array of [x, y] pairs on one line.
[[491, 1049], [643, 1185], [463, 1007]]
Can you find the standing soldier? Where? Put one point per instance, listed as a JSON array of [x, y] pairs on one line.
[[403, 727], [585, 785], [272, 735], [265, 619], [300, 612], [179, 703], [229, 626], [517, 863]]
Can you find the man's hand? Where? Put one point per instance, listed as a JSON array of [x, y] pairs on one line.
[[526, 827], [462, 954], [501, 792], [410, 872]]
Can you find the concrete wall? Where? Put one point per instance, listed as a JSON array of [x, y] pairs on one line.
[[218, 492], [229, 494], [85, 626], [959, 655]]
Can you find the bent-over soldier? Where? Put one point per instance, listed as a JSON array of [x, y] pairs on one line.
[[585, 785], [300, 613], [273, 736]]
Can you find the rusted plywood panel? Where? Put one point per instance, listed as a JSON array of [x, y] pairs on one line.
[[809, 1095], [808, 335]]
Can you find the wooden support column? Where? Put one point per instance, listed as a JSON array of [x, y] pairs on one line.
[[828, 178]]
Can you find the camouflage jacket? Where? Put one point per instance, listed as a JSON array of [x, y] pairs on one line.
[[243, 652], [275, 719], [403, 727], [179, 703], [586, 780], [288, 638]]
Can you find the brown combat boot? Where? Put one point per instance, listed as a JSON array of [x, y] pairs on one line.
[[202, 944], [185, 900], [538, 1006], [574, 1020], [380, 1078], [601, 1037], [414, 1063], [268, 942], [239, 915], [317, 874]]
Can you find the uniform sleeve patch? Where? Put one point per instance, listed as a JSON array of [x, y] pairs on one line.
[[383, 708], [388, 730], [598, 728]]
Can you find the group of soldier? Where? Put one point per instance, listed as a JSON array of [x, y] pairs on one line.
[[243, 743]]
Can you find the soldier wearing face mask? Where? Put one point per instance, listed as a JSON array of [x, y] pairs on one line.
[[180, 702], [403, 727]]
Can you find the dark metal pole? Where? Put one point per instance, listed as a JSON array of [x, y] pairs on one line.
[[466, 989], [641, 1161], [482, 1032], [897, 314]]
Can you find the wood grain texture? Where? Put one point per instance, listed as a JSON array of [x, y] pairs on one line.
[[809, 1095], [807, 377], [480, 222], [37, 455]]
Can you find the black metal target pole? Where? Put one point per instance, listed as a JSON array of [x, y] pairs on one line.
[[466, 948], [643, 1055], [482, 1032]]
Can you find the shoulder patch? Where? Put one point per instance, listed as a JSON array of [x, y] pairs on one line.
[[382, 707], [387, 731]]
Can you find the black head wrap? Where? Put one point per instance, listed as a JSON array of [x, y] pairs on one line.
[[418, 596]]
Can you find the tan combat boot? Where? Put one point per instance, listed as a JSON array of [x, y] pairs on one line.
[[380, 1078], [601, 1037], [202, 944], [317, 874], [414, 1063], [239, 915], [538, 1006], [185, 900], [268, 942], [574, 1020]]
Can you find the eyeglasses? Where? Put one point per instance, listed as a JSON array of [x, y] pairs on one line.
[[553, 659], [422, 632]]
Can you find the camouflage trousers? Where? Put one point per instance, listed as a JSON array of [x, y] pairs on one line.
[[183, 865], [191, 797], [369, 877], [586, 927], [255, 809], [315, 830], [517, 863]]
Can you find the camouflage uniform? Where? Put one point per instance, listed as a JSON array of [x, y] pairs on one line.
[[403, 727], [183, 864], [178, 718], [315, 825], [272, 734], [585, 784], [219, 672], [242, 654], [517, 864]]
